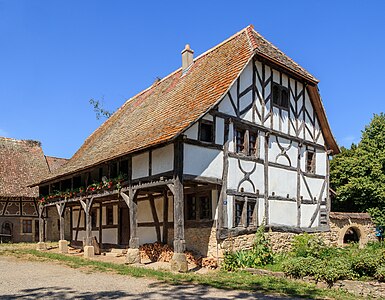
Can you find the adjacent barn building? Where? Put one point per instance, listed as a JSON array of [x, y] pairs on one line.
[[22, 162]]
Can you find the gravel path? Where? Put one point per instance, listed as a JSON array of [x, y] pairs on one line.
[[20, 279]]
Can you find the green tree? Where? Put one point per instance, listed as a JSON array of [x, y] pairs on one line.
[[358, 174], [99, 110]]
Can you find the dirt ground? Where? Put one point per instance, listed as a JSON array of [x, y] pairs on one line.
[[21, 279]]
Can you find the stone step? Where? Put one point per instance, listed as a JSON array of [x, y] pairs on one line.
[[111, 254], [119, 251]]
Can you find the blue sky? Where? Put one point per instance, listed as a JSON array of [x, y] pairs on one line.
[[56, 55]]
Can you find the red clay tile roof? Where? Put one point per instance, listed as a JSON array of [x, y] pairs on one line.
[[164, 110], [55, 162], [22, 162]]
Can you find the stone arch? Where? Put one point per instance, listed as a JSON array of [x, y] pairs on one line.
[[352, 232]]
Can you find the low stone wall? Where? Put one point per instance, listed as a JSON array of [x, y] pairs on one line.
[[202, 239]]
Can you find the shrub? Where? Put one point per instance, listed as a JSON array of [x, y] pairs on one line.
[[260, 255], [230, 261], [365, 262], [299, 267], [332, 270], [380, 273], [305, 245]]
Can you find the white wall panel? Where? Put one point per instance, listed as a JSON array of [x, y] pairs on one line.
[[282, 182], [283, 213], [163, 159], [219, 130], [192, 132], [140, 165], [202, 161]]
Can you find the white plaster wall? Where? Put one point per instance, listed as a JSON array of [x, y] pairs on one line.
[[321, 162], [214, 204], [307, 211], [315, 186], [276, 76], [245, 100], [110, 235], [258, 179], [282, 213], [246, 78], [140, 165], [230, 211], [192, 132], [208, 117], [231, 138], [261, 211], [202, 161], [248, 115], [144, 211], [226, 107], [163, 159], [282, 182], [219, 130], [276, 118], [146, 235]]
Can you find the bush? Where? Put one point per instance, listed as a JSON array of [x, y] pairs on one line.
[[380, 273], [365, 262], [332, 270], [260, 255], [305, 245], [299, 267]]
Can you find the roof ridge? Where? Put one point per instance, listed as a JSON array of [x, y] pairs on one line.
[[21, 141], [309, 75], [222, 43]]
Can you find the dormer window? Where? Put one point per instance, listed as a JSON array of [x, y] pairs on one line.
[[280, 96], [206, 131]]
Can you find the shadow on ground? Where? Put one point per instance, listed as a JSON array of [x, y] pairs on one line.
[[157, 291]]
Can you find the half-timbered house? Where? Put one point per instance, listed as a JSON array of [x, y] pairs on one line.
[[235, 138], [21, 163]]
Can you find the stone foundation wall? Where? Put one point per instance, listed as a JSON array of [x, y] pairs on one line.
[[203, 240]]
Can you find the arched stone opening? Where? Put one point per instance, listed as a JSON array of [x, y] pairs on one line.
[[6, 232], [351, 236], [352, 233]]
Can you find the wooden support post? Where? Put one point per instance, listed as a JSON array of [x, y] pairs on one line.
[[60, 210], [165, 217], [41, 224], [266, 176], [299, 186], [133, 255], [100, 225], [178, 262], [41, 245], [87, 209], [71, 223], [131, 202]]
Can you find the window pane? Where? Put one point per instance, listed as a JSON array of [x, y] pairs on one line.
[[252, 143], [310, 162], [238, 213], [110, 215], [27, 226], [250, 213], [191, 208], [206, 132], [205, 206], [284, 99], [276, 95], [240, 140]]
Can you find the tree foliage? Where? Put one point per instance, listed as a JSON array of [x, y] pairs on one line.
[[358, 174], [99, 110]]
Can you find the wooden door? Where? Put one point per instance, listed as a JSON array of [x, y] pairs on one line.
[[124, 226]]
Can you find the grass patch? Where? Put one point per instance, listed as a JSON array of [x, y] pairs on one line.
[[238, 280]]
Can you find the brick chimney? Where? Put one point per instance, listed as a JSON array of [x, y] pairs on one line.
[[187, 57]]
